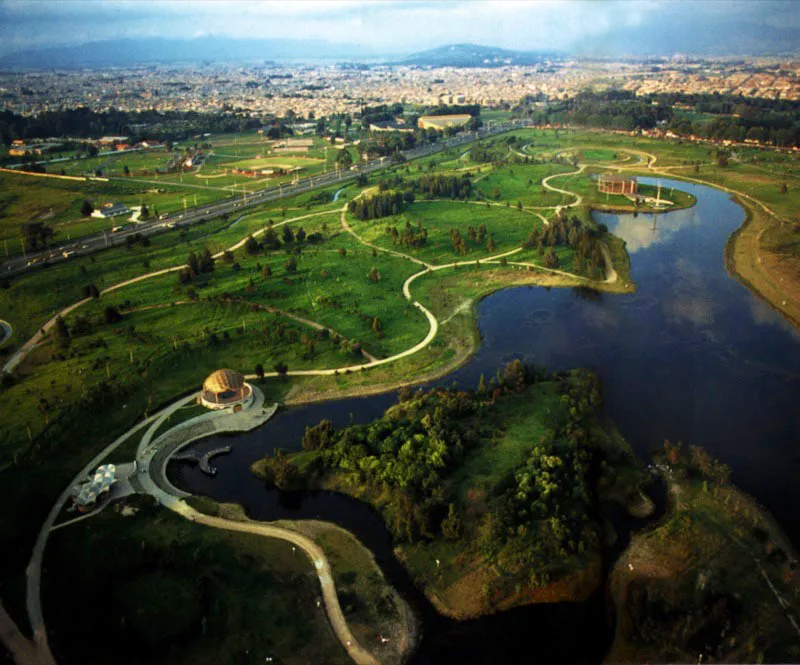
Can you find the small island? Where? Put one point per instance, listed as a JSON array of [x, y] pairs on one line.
[[494, 497]]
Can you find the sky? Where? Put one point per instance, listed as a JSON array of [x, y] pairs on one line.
[[393, 27]]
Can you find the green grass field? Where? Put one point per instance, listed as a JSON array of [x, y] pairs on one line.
[[175, 592], [508, 227], [119, 371]]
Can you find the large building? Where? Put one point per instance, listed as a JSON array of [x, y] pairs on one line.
[[441, 122], [108, 210], [617, 184], [226, 389]]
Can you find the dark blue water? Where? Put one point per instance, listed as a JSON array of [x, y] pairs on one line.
[[692, 356]]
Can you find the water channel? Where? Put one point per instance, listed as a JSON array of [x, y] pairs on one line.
[[692, 356]]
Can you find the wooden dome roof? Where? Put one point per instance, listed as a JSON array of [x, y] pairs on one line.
[[223, 380]]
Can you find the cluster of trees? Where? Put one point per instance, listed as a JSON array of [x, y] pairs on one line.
[[439, 185], [410, 237], [569, 232], [35, 235], [697, 462], [544, 513], [537, 517], [204, 263], [85, 123], [611, 110], [405, 456], [379, 205], [485, 152], [735, 118]]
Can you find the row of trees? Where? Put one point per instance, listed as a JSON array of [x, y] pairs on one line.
[[379, 205]]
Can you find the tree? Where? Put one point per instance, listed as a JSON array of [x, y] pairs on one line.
[[291, 264], [87, 208], [344, 160], [194, 265], [145, 213], [267, 271], [287, 234], [550, 258], [271, 240], [281, 368], [35, 235], [318, 437], [112, 315], [260, 372], [251, 245], [377, 327], [91, 291], [300, 236], [206, 261], [126, 170], [490, 247], [451, 525], [374, 275], [342, 252], [62, 333]]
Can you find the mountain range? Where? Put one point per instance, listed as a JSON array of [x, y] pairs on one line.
[[726, 39]]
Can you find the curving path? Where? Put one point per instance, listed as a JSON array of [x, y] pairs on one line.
[[317, 557], [315, 554]]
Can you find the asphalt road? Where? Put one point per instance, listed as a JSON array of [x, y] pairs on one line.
[[21, 263]]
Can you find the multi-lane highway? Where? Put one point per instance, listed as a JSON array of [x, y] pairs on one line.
[[19, 263]]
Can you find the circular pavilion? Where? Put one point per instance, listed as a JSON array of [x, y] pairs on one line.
[[226, 389]]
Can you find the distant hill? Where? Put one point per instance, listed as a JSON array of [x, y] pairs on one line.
[[474, 55], [149, 50]]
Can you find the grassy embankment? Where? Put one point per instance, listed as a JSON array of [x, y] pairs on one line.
[[715, 581]]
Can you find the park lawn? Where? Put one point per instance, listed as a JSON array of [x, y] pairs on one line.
[[495, 116], [522, 182], [57, 203], [186, 594], [593, 155], [508, 227], [25, 198], [32, 298], [150, 356], [328, 288], [762, 186], [517, 427]]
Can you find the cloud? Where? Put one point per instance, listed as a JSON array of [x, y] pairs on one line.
[[389, 26]]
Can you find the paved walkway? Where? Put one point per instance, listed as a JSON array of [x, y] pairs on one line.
[[339, 624], [166, 494]]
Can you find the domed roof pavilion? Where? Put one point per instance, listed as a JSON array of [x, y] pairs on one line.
[[224, 388]]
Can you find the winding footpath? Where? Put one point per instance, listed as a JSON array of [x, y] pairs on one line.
[[24, 649]]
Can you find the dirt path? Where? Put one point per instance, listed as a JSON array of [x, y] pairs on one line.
[[22, 650], [317, 557]]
